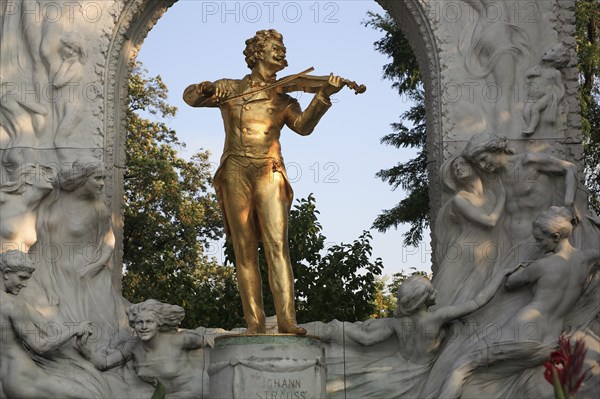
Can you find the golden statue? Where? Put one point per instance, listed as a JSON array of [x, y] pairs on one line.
[[251, 182]]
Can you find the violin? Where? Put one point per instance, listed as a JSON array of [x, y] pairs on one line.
[[301, 82], [311, 84]]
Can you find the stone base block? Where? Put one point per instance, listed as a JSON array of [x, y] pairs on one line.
[[277, 366]]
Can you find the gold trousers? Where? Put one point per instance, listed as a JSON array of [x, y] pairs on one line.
[[255, 197]]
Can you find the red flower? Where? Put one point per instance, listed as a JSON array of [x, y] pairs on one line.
[[567, 362]]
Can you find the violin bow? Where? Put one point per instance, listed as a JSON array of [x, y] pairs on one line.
[[280, 82]]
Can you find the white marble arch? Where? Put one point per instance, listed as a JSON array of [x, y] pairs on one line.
[[113, 40], [137, 17]]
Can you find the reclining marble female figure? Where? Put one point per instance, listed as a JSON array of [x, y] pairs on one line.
[[418, 331]]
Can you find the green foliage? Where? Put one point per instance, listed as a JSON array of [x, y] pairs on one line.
[[412, 176], [386, 299], [404, 69], [169, 212], [587, 14], [338, 282], [592, 149]]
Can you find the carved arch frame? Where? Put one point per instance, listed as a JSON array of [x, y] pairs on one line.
[[137, 18]]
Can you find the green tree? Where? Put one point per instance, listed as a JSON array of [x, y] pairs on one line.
[[411, 176], [169, 213], [587, 14], [410, 132]]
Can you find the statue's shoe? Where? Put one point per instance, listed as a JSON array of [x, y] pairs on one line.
[[292, 329]]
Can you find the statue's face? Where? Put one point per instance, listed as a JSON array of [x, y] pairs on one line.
[[274, 55], [488, 162], [545, 242], [95, 183], [146, 325], [68, 51], [15, 281], [462, 169]]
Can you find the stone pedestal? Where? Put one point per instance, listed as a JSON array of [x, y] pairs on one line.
[[267, 367]]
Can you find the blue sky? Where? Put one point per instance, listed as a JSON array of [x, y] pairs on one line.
[[203, 40]]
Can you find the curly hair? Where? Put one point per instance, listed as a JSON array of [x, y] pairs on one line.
[[557, 219], [74, 177], [412, 294], [256, 45], [486, 142], [169, 316], [14, 260]]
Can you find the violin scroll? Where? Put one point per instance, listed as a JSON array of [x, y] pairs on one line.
[[358, 89]]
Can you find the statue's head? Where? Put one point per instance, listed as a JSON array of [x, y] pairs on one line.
[[70, 46], [266, 45], [151, 316], [414, 293], [80, 173], [484, 151], [456, 172], [16, 268], [552, 225]]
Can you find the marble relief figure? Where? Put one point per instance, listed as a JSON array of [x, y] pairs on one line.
[[159, 350], [492, 48], [468, 245], [74, 248], [419, 333], [67, 106], [557, 280], [533, 181], [20, 198], [20, 376], [546, 90]]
